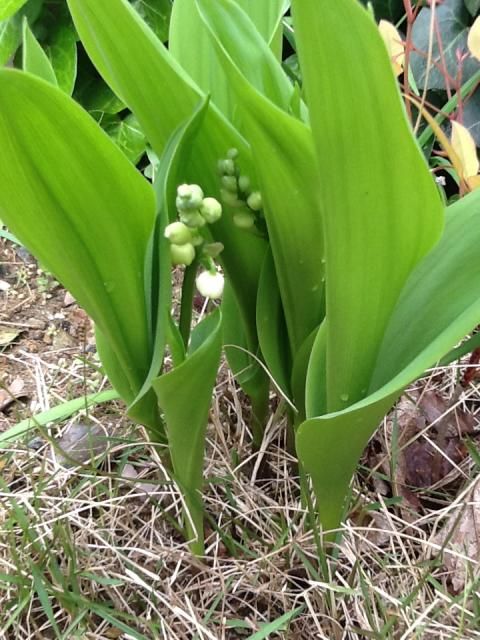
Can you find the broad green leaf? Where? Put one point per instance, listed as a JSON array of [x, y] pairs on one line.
[[62, 51], [11, 29], [162, 96], [200, 61], [9, 7], [34, 58], [157, 260], [440, 303], [381, 207], [185, 395], [285, 165], [77, 204]]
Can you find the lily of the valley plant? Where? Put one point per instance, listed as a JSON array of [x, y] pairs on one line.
[[349, 276]]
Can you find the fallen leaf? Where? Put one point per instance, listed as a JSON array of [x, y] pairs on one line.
[[131, 473], [428, 460], [7, 336], [11, 393], [461, 537], [425, 460], [472, 372]]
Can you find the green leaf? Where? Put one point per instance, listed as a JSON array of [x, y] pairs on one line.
[[157, 260], [128, 136], [34, 58], [156, 14], [76, 203], [162, 96], [473, 6], [441, 300], [9, 7], [285, 165], [185, 395], [62, 51], [11, 29], [381, 216], [272, 332], [451, 26], [440, 303], [391, 10], [98, 99], [201, 62]]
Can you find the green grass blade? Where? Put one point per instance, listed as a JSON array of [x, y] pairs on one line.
[[185, 395], [280, 624], [60, 412], [75, 202], [34, 58], [381, 205]]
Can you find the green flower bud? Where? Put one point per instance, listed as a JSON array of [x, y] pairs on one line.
[[209, 284], [211, 210], [232, 154], [182, 253], [189, 196], [244, 183], [229, 183], [192, 219], [178, 233], [231, 199], [254, 201], [226, 167], [197, 238], [244, 219]]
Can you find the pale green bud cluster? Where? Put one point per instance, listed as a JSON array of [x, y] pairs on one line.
[[236, 192], [194, 209], [194, 212]]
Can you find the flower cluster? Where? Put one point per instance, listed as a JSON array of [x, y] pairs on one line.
[[236, 192], [186, 239]]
